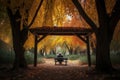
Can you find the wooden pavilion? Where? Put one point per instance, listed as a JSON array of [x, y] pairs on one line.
[[82, 33]]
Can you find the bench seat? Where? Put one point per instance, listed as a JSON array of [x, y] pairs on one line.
[[60, 60]]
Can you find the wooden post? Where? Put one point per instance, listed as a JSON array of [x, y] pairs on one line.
[[88, 51], [35, 51]]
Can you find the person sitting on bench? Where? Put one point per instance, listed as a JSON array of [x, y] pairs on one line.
[[59, 55], [60, 59]]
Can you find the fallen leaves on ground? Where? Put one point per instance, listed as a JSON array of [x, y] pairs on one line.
[[49, 71]]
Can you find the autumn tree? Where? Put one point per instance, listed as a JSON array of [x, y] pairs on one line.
[[103, 31], [18, 12], [48, 13]]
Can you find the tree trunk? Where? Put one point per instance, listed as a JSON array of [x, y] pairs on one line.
[[103, 62], [19, 61], [104, 32], [18, 42]]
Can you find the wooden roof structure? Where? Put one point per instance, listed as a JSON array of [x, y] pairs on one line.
[[82, 33], [60, 31]]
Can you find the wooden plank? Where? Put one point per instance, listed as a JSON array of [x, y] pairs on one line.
[[60, 31], [35, 51], [83, 39], [41, 38], [88, 51]]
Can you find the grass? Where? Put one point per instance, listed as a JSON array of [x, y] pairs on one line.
[[8, 57], [83, 59], [30, 58], [70, 57], [73, 57], [115, 59], [50, 56]]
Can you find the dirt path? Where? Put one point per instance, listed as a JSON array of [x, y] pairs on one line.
[[50, 62], [73, 71]]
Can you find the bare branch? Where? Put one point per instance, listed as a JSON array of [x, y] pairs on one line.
[[102, 13], [35, 14], [84, 15], [115, 15]]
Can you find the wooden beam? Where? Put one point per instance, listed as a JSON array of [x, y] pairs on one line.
[[35, 51], [41, 38], [83, 39], [88, 51], [60, 31]]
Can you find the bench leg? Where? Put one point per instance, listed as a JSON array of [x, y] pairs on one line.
[[66, 63], [55, 62], [60, 62]]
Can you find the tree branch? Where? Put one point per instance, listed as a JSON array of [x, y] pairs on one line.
[[35, 14], [102, 13], [84, 15], [115, 15], [10, 14]]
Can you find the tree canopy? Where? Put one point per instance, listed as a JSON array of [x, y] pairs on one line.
[[60, 11]]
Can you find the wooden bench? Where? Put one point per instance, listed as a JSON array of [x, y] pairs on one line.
[[60, 60]]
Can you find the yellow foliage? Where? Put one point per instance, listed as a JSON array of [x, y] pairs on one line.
[[60, 13]]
